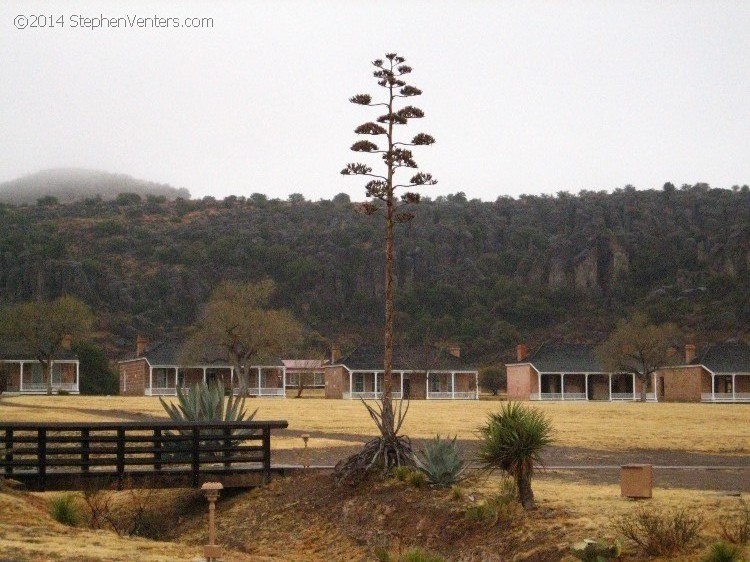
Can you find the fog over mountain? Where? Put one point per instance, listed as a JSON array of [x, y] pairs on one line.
[[74, 184]]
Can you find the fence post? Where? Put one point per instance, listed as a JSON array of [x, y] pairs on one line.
[[41, 443], [227, 453], [196, 456], [266, 454], [120, 456], [157, 447], [85, 438], [9, 451]]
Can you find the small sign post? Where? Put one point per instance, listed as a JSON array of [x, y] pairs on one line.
[[212, 551]]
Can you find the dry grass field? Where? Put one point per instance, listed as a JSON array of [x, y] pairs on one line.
[[704, 428], [258, 525]]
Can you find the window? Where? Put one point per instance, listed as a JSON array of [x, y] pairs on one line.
[[434, 383], [359, 382], [292, 379], [36, 373], [160, 378], [319, 380], [57, 373]]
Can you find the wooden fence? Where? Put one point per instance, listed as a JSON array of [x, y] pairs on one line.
[[65, 455]]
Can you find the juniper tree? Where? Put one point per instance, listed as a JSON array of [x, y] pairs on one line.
[[382, 186]]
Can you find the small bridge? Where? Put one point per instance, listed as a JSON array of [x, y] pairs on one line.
[[161, 454]]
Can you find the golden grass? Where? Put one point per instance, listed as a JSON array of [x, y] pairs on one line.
[[591, 508], [705, 428], [27, 532]]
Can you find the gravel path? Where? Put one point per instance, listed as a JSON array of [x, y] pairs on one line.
[[672, 469]]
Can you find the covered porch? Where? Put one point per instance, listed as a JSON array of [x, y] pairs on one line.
[[726, 388], [28, 377], [453, 385], [164, 380], [608, 387], [416, 385]]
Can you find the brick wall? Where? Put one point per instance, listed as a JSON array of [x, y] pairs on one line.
[[520, 382], [133, 376], [683, 384], [334, 377]]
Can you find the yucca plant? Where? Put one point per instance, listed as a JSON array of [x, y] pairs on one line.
[[65, 510], [207, 403], [513, 440], [724, 552], [441, 461]]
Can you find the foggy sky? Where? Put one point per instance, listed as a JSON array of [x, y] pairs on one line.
[[523, 97]]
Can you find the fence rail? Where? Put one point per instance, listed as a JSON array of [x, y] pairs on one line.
[[35, 453]]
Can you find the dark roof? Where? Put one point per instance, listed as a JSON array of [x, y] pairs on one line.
[[565, 358], [405, 358], [11, 351], [168, 351], [731, 357]]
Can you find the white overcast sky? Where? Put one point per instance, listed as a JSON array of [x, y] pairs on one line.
[[522, 96]]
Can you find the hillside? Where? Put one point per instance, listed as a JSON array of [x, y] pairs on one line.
[[75, 184], [486, 274]]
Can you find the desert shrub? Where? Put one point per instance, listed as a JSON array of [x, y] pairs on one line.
[[64, 509], [724, 552], [419, 555], [736, 529], [417, 479], [99, 503], [401, 473], [457, 493], [513, 440], [441, 462], [659, 533], [596, 551], [502, 508]]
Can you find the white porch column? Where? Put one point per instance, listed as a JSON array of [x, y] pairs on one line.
[[260, 376], [734, 389], [20, 382], [283, 380], [176, 377], [562, 385], [476, 384], [78, 375], [204, 376], [375, 383], [653, 382], [586, 384], [633, 376], [427, 393], [453, 385], [610, 387], [50, 382], [402, 385], [351, 388], [539, 385], [150, 379], [713, 388]]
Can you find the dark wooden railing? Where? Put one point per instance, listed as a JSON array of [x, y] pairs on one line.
[[57, 455]]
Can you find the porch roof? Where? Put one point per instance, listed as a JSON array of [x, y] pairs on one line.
[[565, 358], [17, 351], [729, 357], [168, 351], [405, 358]]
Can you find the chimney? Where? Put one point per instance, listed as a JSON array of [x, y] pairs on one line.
[[522, 351], [140, 346], [335, 353], [67, 342], [454, 349], [689, 353]]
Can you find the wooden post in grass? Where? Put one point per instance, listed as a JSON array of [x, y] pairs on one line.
[[212, 551]]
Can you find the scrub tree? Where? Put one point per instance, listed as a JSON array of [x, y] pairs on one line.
[[395, 156]]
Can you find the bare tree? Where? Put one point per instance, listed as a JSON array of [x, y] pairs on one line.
[[395, 155], [237, 321], [637, 347]]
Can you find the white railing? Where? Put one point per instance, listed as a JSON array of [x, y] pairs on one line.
[[650, 397], [550, 396], [622, 396], [42, 387], [534, 396], [161, 391], [452, 395], [255, 391], [725, 397], [575, 396], [369, 395]]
